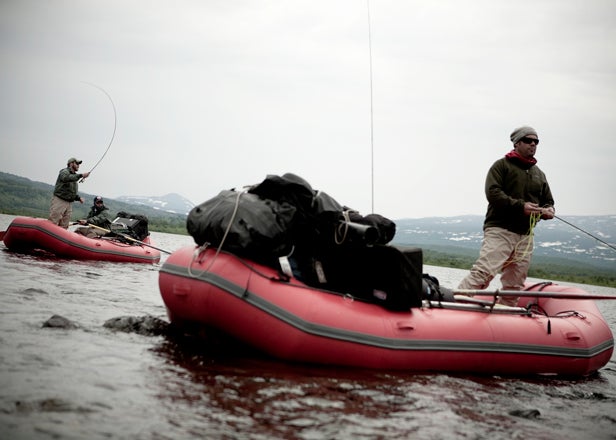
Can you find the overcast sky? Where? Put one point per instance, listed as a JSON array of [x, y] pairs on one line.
[[213, 95]]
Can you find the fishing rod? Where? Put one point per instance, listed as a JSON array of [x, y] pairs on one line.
[[371, 106], [587, 233], [128, 237], [115, 124]]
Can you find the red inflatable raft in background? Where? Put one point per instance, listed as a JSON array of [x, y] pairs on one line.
[[291, 321], [26, 234]]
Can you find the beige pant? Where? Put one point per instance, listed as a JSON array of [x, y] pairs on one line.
[[60, 212], [502, 252]]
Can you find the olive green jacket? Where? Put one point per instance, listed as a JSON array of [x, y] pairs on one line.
[[99, 217], [509, 184], [66, 185]]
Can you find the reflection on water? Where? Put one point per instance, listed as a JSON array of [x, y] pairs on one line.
[[289, 401], [93, 382]]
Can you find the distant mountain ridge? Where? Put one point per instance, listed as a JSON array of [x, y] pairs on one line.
[[172, 202], [461, 235], [553, 238]]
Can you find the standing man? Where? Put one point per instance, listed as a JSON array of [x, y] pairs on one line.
[[518, 195], [65, 193]]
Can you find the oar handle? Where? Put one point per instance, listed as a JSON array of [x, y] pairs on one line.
[[128, 237], [531, 294], [491, 292]]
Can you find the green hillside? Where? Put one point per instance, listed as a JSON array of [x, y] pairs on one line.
[[21, 196]]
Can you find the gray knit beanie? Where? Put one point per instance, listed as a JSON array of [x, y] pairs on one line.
[[520, 132]]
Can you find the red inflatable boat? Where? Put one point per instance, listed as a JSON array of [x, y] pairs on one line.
[[554, 330], [26, 234]]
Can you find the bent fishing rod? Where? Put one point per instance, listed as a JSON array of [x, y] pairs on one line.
[[115, 124], [585, 232]]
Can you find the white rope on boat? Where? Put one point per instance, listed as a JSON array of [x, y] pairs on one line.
[[201, 249]]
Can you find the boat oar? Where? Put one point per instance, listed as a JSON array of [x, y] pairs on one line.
[[531, 294], [129, 238]]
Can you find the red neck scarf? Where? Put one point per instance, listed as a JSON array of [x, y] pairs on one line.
[[524, 161]]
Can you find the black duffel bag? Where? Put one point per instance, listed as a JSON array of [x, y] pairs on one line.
[[243, 223]]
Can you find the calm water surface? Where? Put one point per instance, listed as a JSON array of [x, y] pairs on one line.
[[95, 383]]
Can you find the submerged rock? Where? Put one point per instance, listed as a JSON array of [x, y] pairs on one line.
[[57, 321], [526, 413], [143, 325]]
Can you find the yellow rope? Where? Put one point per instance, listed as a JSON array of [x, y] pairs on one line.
[[520, 255]]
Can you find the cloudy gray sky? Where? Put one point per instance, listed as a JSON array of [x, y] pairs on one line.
[[217, 94]]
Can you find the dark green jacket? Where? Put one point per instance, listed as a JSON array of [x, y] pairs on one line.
[[99, 217], [66, 185], [509, 185]]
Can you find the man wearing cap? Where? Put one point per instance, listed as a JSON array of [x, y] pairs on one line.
[[65, 193], [518, 195], [98, 218]]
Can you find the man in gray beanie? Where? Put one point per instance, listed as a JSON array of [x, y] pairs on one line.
[[520, 132], [518, 196]]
